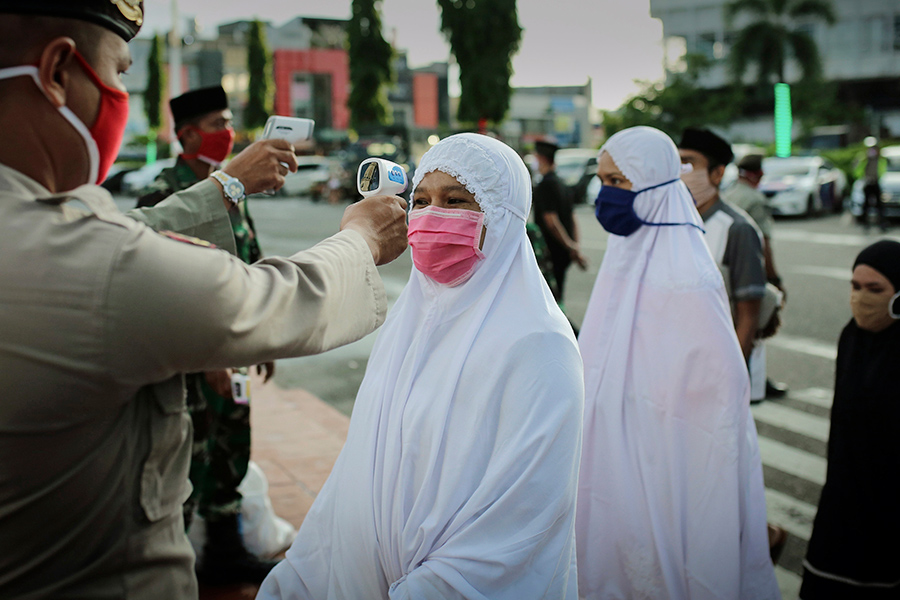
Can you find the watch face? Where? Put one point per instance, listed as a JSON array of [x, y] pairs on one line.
[[235, 190]]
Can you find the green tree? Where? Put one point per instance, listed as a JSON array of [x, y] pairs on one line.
[[156, 83], [772, 38], [677, 104], [484, 35], [260, 87], [371, 69], [153, 95]]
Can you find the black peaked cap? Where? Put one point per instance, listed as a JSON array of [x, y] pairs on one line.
[[546, 148], [123, 17], [197, 103], [751, 162], [707, 143]]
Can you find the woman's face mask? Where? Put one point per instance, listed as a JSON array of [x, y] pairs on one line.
[[873, 300], [614, 207], [445, 243]]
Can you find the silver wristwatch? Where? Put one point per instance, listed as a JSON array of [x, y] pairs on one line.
[[232, 186]]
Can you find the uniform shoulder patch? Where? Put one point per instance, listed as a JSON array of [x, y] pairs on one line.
[[186, 239]]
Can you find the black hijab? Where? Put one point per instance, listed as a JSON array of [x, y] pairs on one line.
[[858, 523], [884, 257]]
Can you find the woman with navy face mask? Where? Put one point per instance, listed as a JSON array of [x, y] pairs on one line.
[[670, 495], [458, 476]]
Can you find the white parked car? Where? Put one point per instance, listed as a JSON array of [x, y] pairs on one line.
[[312, 174], [802, 185], [890, 186], [134, 183]]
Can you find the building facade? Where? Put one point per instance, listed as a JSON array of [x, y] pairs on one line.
[[860, 52], [310, 73], [561, 112]]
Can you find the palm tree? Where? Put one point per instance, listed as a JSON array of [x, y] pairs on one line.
[[772, 37]]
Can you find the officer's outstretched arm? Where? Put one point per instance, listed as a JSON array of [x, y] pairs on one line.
[[173, 307], [197, 212]]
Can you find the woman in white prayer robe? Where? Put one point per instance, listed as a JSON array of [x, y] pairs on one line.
[[670, 497], [458, 477]]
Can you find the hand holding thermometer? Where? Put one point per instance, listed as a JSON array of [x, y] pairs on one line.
[[293, 130], [380, 177]]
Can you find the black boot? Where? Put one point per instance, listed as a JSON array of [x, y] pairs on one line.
[[225, 559]]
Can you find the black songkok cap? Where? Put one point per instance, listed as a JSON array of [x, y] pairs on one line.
[[197, 103], [884, 257], [123, 17], [707, 143], [546, 148], [751, 162]]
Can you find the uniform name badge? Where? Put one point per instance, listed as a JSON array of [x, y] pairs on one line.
[[240, 388]]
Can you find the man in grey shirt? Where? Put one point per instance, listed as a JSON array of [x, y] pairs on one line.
[[744, 195], [734, 240]]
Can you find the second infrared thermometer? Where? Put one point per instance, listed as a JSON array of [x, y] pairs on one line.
[[380, 177], [293, 130]]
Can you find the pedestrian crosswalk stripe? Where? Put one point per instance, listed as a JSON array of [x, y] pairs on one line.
[[792, 420], [792, 461], [830, 239], [839, 273], [814, 395], [794, 515], [804, 345]]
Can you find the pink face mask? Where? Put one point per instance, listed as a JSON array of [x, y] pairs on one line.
[[445, 243]]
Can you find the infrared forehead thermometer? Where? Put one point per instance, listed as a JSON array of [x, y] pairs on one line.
[[380, 177]]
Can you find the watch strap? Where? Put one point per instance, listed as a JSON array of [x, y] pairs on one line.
[[231, 186]]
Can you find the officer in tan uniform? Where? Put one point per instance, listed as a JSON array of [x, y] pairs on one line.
[[99, 314], [221, 446]]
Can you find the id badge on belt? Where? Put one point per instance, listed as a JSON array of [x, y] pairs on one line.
[[240, 387]]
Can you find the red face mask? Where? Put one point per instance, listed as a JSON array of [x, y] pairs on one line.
[[109, 127], [214, 147]]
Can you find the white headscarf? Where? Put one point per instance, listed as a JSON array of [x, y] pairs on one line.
[[458, 477], [670, 497]]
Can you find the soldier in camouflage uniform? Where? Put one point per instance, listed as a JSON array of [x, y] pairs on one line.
[[221, 448], [542, 254]]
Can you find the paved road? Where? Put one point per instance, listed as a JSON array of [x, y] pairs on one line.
[[814, 257]]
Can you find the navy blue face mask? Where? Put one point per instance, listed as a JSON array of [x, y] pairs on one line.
[[615, 210]]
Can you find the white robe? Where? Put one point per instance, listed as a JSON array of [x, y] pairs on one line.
[[458, 476], [670, 498]]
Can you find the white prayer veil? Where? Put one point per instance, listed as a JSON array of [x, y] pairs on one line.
[[458, 476], [670, 496]]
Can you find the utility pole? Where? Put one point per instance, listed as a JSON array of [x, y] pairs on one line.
[[174, 68], [175, 53]]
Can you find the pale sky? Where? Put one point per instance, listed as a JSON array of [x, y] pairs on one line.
[[615, 42]]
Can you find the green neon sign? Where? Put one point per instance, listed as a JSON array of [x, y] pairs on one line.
[[783, 120]]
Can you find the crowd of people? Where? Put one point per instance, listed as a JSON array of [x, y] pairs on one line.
[[491, 453]]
